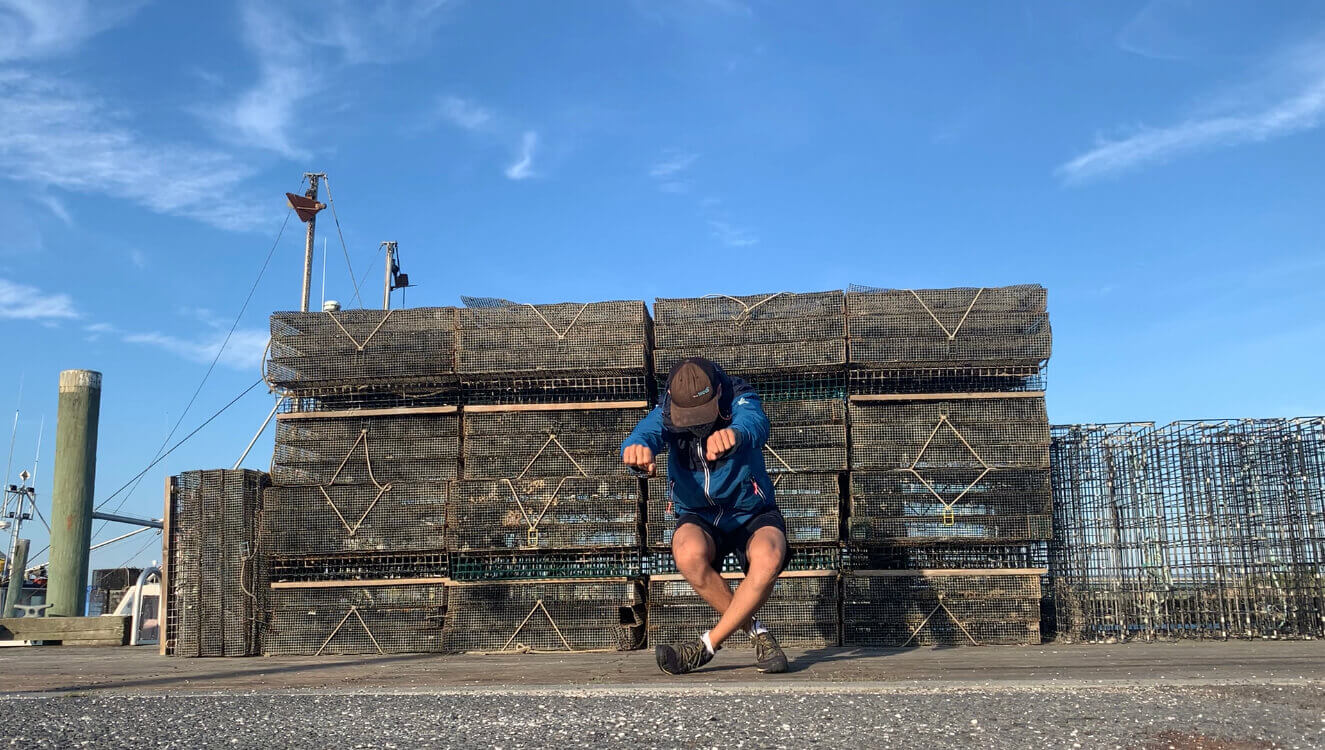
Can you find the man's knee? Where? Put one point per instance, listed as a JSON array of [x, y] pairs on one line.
[[766, 552], [691, 549]]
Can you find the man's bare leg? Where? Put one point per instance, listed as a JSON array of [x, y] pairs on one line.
[[693, 551], [765, 552]]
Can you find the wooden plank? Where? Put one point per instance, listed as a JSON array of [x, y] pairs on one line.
[[91, 642], [110, 627], [162, 601], [740, 576], [944, 572], [351, 413], [581, 406], [867, 397], [359, 583], [526, 581]]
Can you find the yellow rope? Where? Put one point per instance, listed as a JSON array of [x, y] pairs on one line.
[[538, 604], [552, 438], [560, 334], [745, 309], [353, 611], [357, 345], [953, 333]]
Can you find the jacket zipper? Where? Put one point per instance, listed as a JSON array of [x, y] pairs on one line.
[[700, 453]]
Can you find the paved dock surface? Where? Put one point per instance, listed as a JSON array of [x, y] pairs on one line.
[[1220, 696]]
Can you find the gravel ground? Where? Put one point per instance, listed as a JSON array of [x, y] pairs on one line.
[[1215, 718]]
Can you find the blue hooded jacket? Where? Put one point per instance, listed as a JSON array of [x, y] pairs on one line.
[[736, 486]]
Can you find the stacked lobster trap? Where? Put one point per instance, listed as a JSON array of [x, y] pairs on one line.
[[949, 495], [544, 525], [792, 349], [368, 440]]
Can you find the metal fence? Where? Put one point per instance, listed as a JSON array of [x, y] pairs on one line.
[[537, 514], [941, 607], [345, 518], [375, 449], [559, 338], [356, 619], [584, 615], [547, 443]]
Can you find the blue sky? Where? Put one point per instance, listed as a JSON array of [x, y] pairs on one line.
[[1156, 165]]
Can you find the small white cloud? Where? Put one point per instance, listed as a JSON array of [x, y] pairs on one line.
[[34, 28], [732, 236], [671, 163], [138, 259], [1303, 109], [55, 206], [523, 167], [23, 302], [675, 186], [465, 114], [243, 351]]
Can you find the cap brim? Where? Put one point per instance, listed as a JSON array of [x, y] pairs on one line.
[[693, 416]]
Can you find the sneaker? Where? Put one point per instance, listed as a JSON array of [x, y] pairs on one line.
[[768, 654], [686, 657]]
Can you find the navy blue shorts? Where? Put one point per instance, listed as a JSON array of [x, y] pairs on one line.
[[733, 541]]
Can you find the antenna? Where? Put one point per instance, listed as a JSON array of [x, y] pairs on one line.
[[394, 278], [306, 207], [13, 432], [37, 458], [324, 271]]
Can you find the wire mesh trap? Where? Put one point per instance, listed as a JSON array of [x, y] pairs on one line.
[[341, 518], [810, 504], [583, 615], [356, 619], [313, 350], [213, 602], [945, 555], [959, 505], [801, 612], [563, 337], [347, 450], [984, 432], [806, 436], [757, 333], [571, 512], [365, 566], [547, 443], [898, 608], [1212, 529], [566, 388], [1006, 326], [877, 380]]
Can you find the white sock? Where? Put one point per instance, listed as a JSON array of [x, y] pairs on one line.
[[757, 627], [708, 644]]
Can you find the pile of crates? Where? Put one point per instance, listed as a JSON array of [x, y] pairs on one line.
[[949, 496], [544, 525], [792, 349]]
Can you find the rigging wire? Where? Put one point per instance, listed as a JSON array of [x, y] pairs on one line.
[[182, 441], [344, 248], [220, 350]]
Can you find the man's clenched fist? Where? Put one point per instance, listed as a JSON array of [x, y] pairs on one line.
[[640, 457], [720, 443]]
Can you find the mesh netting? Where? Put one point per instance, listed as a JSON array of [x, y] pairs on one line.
[[948, 610], [806, 436], [757, 333], [359, 347], [561, 389], [946, 555], [1212, 529], [493, 566], [545, 616], [801, 557], [994, 432], [213, 608], [364, 566], [571, 512], [535, 444], [949, 327], [864, 379], [810, 503], [311, 520], [790, 386], [901, 507], [564, 337], [423, 447], [356, 620]]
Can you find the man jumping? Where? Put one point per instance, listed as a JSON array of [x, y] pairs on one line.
[[714, 428]]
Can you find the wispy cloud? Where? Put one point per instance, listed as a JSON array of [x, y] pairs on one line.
[[732, 236], [523, 167], [57, 135], [243, 352], [138, 258], [298, 55], [23, 302], [465, 114], [55, 206], [36, 28], [672, 163], [1289, 98]]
